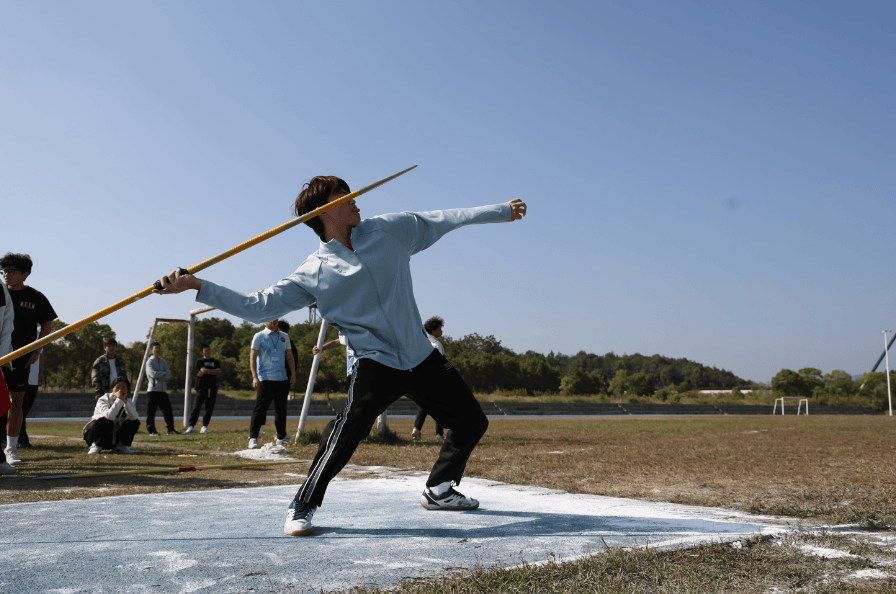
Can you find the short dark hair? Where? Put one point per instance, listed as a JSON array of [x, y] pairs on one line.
[[155, 344], [433, 324], [283, 325], [315, 194], [21, 262], [110, 341], [118, 380], [203, 347]]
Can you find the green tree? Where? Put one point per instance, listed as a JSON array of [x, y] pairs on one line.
[[576, 382], [69, 361], [812, 376], [839, 386], [790, 383]]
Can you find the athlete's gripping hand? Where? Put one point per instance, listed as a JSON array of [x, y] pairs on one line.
[[517, 209], [177, 282]]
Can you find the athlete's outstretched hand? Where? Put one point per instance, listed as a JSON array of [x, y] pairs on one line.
[[176, 282], [517, 209]]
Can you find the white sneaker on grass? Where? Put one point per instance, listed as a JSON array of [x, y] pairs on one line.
[[188, 430], [284, 441], [12, 456], [204, 429], [253, 443], [95, 448], [120, 448], [451, 500], [7, 468], [298, 519], [415, 434]]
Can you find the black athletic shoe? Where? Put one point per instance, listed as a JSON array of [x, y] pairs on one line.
[[451, 500], [26, 444], [173, 432], [298, 519], [153, 433]]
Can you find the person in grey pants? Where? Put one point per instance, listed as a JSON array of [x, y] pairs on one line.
[[158, 372]]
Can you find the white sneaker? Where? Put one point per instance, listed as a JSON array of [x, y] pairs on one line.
[[253, 443], [204, 429], [451, 500], [7, 468], [95, 449], [12, 456], [284, 441], [415, 434], [188, 430], [440, 438], [120, 448], [298, 519]]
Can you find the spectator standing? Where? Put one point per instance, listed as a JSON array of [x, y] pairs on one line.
[[114, 422], [159, 373], [207, 370], [31, 309], [433, 327], [7, 317], [106, 368], [270, 348], [35, 380], [283, 326]]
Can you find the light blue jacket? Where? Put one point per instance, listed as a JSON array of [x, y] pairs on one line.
[[367, 293], [158, 372]]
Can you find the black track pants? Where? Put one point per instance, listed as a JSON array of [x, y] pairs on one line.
[[205, 396], [434, 385], [158, 400], [269, 391]]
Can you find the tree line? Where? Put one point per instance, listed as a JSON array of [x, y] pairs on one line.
[[485, 364], [836, 388]]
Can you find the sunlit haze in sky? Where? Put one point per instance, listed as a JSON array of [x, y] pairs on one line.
[[709, 180]]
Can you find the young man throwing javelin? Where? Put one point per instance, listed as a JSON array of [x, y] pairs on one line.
[[360, 277]]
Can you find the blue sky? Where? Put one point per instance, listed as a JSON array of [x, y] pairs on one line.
[[705, 180]]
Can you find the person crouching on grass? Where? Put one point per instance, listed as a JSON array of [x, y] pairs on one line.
[[115, 421], [360, 277]]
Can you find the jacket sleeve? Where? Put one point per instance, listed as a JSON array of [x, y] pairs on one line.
[[165, 373], [155, 370], [288, 295], [6, 324], [95, 378], [131, 411], [419, 230]]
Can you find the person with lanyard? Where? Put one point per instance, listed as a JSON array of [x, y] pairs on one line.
[[207, 370], [31, 310], [270, 348], [360, 277]]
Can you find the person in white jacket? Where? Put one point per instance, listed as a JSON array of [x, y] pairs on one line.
[[114, 422]]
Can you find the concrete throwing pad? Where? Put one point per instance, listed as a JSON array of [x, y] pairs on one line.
[[370, 532]]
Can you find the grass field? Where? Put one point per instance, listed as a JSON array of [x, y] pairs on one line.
[[831, 470]]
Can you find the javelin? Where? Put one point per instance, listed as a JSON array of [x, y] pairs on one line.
[[194, 269], [162, 470]]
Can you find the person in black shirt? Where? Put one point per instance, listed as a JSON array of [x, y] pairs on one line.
[[31, 309], [207, 370]]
